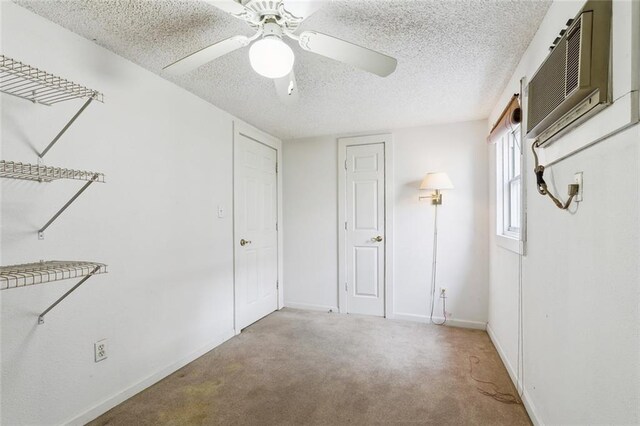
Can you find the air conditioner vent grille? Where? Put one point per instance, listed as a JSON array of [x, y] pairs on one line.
[[574, 81], [573, 59], [548, 86]]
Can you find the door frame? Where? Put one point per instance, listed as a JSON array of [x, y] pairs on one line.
[[243, 129], [343, 143]]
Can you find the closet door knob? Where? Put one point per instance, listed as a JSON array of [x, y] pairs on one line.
[[378, 239], [244, 242]]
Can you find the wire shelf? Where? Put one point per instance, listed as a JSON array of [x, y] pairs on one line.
[[40, 173], [28, 274], [27, 82]]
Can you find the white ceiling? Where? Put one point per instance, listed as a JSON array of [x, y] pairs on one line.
[[454, 58]]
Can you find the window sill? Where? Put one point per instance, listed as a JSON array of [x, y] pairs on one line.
[[510, 243]]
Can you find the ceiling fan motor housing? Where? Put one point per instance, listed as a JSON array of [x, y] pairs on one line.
[[264, 7], [271, 29], [274, 10]]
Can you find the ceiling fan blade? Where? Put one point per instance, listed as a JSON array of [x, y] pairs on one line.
[[234, 8], [287, 88], [207, 54], [302, 9], [340, 50]]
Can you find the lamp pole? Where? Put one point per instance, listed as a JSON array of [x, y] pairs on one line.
[[436, 200], [434, 264], [435, 181]]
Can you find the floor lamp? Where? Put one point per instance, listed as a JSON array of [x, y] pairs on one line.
[[435, 182]]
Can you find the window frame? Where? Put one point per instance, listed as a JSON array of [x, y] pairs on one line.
[[509, 165]]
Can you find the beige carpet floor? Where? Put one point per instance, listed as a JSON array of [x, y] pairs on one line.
[[297, 367]]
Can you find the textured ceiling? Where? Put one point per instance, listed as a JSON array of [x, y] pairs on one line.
[[454, 58]]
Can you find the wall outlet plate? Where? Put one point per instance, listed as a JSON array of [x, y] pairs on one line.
[[577, 179], [100, 350]]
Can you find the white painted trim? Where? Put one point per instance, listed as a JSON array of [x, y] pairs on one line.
[[526, 399], [387, 140], [122, 396], [310, 307], [241, 128], [509, 243], [476, 325], [342, 273], [389, 173]]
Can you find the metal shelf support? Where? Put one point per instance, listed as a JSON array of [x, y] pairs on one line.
[[67, 204], [38, 86], [64, 129], [54, 304], [38, 273]]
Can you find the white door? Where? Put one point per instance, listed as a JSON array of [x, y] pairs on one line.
[[255, 230], [365, 224]]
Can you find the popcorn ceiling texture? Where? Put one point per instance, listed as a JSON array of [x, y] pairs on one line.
[[454, 58]]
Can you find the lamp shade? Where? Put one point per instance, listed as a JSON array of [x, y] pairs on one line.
[[437, 180], [271, 57]]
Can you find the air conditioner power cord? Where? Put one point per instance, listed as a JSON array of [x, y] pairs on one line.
[[541, 185]]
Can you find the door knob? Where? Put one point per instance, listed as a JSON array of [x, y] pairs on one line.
[[244, 242], [378, 238]]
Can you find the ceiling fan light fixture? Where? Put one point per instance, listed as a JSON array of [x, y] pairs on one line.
[[271, 57]]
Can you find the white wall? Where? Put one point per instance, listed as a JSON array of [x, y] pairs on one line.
[[168, 296], [310, 212], [310, 180], [581, 272]]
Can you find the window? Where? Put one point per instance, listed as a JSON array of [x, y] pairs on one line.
[[509, 189]]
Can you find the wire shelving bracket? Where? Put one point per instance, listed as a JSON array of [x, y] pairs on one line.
[[41, 173], [30, 83], [16, 276]]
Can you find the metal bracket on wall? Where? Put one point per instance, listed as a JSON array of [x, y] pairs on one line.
[[69, 123], [95, 178], [54, 304]]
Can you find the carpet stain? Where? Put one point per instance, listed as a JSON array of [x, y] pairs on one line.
[[197, 403], [311, 368], [234, 367]]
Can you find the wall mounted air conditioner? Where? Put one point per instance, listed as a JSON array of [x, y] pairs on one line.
[[574, 81]]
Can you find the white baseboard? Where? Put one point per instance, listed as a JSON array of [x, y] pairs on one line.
[[526, 399], [122, 396], [476, 325], [310, 307]]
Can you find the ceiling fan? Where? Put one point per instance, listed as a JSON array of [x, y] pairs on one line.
[[273, 58]]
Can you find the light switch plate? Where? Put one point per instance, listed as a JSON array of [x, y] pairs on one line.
[[220, 212]]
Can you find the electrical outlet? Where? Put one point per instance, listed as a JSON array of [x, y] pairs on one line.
[[577, 179], [443, 292], [100, 350]]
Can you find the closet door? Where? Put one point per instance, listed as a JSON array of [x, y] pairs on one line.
[[255, 230], [365, 229]]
